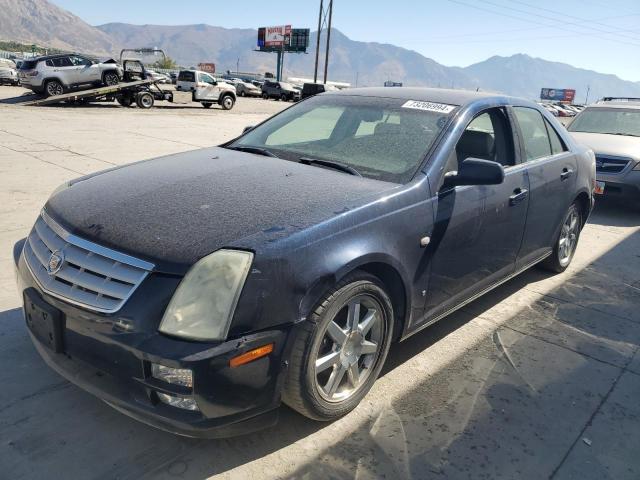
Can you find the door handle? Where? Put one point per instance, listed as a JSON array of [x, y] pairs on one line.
[[519, 194], [566, 173]]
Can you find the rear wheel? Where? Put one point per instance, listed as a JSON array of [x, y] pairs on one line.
[[242, 94], [145, 100], [124, 101], [565, 246], [283, 97], [339, 351], [265, 96], [110, 78], [53, 88], [207, 104]]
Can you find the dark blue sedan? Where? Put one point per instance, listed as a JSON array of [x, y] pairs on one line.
[[195, 292]]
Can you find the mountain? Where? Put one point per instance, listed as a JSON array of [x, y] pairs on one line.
[[524, 76], [42, 23], [367, 63]]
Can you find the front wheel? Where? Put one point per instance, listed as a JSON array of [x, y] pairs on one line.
[[227, 102], [242, 94], [565, 246], [110, 78], [339, 351]]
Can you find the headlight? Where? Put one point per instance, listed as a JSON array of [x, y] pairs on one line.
[[203, 305]]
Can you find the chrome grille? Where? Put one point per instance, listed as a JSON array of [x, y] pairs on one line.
[[86, 274], [609, 164]]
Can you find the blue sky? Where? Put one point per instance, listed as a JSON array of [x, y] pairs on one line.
[[596, 34]]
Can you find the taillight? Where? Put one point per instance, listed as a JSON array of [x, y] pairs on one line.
[[32, 73]]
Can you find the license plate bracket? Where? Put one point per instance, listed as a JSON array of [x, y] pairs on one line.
[[43, 320]]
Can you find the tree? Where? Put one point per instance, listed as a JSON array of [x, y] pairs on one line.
[[166, 63]]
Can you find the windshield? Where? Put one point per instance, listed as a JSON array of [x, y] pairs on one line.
[[378, 137], [614, 121]]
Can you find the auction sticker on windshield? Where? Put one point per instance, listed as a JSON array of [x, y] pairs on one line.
[[429, 106]]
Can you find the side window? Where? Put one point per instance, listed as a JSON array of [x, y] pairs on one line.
[[488, 137], [557, 145], [207, 79], [534, 133], [80, 61], [62, 62]]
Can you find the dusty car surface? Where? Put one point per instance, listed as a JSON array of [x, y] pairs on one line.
[[612, 129], [196, 292]]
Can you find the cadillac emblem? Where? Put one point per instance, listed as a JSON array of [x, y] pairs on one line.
[[55, 262]]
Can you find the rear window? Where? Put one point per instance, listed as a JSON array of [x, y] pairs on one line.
[[28, 65], [187, 77]]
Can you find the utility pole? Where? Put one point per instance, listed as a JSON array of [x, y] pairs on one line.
[[315, 72], [237, 65], [326, 60], [586, 100]]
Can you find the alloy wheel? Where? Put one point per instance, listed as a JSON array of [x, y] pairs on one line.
[[111, 79], [568, 237], [54, 88], [349, 349]]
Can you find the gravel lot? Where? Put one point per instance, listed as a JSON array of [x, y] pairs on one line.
[[539, 379]]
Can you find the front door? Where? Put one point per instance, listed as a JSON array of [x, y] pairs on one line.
[[206, 88], [478, 229], [552, 172]]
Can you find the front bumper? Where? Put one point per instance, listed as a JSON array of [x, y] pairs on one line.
[[110, 356], [625, 185]]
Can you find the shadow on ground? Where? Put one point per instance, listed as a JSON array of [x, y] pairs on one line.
[[513, 386]]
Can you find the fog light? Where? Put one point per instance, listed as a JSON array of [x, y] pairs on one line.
[[178, 401], [174, 376]]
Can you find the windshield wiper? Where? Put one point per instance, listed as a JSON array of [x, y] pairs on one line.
[[330, 164], [256, 150]]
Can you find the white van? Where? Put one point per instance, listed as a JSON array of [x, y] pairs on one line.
[[206, 89]]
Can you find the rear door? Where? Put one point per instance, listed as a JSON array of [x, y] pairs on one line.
[[64, 70], [478, 229], [552, 172]]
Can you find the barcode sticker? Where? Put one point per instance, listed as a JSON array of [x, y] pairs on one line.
[[429, 106]]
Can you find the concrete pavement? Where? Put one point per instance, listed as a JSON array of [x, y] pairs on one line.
[[539, 379]]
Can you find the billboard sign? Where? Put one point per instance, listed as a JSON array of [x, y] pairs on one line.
[[558, 94], [271, 37], [207, 67]]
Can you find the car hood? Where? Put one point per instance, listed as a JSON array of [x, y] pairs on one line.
[[174, 210], [615, 145]]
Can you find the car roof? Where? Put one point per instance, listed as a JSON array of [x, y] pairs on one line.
[[436, 95], [626, 103], [57, 55]]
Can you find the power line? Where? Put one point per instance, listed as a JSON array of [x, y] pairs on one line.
[[527, 20], [562, 22]]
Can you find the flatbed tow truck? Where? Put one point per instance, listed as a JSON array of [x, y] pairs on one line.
[[137, 88]]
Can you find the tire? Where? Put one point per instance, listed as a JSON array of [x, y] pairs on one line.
[[242, 94], [207, 104], [283, 97], [53, 88], [227, 102], [110, 78], [265, 96], [567, 241], [315, 393], [144, 100], [124, 101]]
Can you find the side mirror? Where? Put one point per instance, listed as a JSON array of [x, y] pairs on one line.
[[246, 129], [475, 171]]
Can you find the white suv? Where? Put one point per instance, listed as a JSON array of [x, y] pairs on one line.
[[55, 74]]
